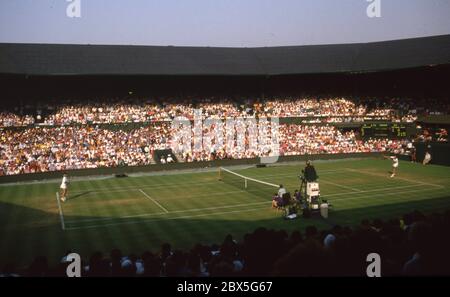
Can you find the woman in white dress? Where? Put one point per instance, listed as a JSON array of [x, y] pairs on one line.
[[64, 187]]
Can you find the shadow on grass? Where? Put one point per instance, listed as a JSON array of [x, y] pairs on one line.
[[71, 197]]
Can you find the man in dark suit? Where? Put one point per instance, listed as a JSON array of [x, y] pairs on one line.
[[310, 172]]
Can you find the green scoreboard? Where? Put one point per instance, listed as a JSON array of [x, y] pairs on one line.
[[383, 130]]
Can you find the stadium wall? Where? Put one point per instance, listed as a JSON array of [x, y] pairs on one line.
[[174, 166]]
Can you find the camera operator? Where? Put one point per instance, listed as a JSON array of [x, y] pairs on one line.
[[309, 172]]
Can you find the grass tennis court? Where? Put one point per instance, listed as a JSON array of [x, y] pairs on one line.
[[142, 212]]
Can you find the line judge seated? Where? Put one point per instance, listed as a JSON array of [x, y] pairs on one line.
[[281, 191], [277, 202], [277, 199]]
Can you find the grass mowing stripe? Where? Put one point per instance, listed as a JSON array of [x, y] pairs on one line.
[[114, 234], [358, 195], [361, 202], [144, 186], [88, 241], [169, 218], [188, 229], [369, 191], [9, 214], [366, 201], [134, 234], [400, 178], [373, 183], [53, 228], [168, 197], [30, 245], [176, 211], [338, 185]]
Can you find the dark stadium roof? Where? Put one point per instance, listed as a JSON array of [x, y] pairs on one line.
[[65, 59]]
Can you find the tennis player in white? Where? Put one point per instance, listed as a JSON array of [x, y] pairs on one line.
[[394, 164], [64, 187], [427, 158]]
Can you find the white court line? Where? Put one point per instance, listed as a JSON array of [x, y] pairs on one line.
[[221, 207], [61, 216], [154, 201], [130, 188], [374, 190], [400, 178], [173, 218], [338, 185], [173, 185], [121, 217], [173, 212], [186, 197], [384, 194]]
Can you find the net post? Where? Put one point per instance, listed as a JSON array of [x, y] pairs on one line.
[[220, 173], [245, 183]]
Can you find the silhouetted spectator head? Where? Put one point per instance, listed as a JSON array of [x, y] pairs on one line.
[[193, 264], [296, 237], [166, 251], [128, 268], [222, 269], [39, 267], [8, 271], [311, 232], [329, 240], [365, 224], [152, 264], [98, 266], [306, 259], [377, 224], [420, 237]]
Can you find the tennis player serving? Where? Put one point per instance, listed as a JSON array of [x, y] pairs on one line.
[[394, 164], [64, 187]]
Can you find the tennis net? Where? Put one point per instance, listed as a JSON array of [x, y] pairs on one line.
[[244, 182]]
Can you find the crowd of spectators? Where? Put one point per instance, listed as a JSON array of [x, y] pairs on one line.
[[42, 149], [324, 139], [413, 245], [313, 109], [433, 134], [78, 135], [10, 119]]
